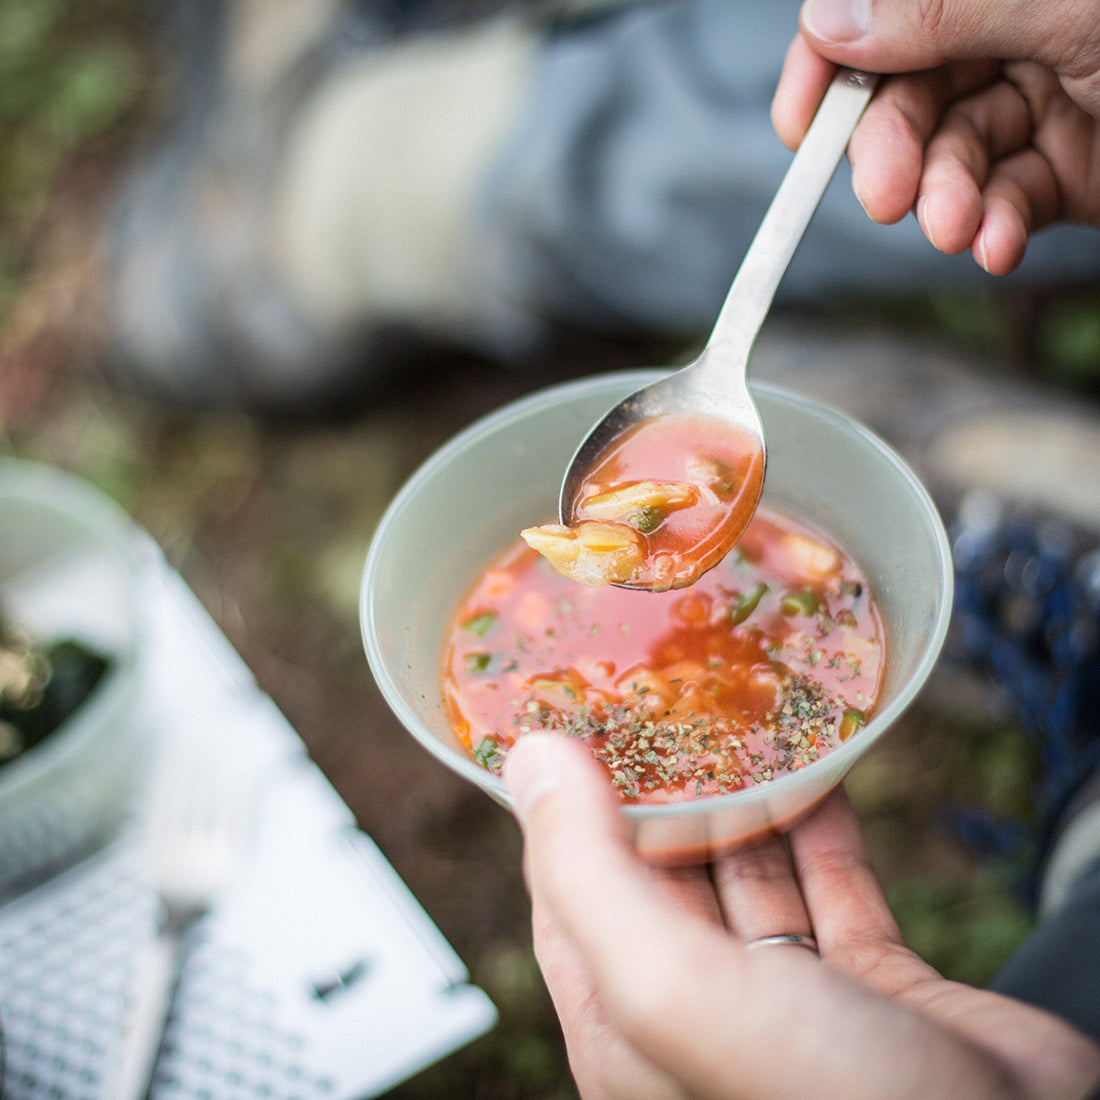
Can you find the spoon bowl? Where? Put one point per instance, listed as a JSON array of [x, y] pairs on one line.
[[686, 392], [715, 384]]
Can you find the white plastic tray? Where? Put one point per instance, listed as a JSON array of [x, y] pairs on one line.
[[319, 975]]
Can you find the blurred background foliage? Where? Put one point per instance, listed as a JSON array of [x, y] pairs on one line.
[[77, 77], [72, 72]]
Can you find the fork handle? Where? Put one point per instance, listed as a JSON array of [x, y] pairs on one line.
[[156, 977]]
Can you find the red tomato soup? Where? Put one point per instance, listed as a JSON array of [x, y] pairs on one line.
[[763, 665], [662, 504], [722, 471]]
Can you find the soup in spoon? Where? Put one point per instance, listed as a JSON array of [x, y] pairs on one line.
[[662, 504]]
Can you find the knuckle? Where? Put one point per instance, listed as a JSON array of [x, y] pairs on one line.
[[932, 18]]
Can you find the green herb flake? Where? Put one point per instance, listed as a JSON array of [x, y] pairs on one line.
[[647, 519], [478, 662], [746, 603], [850, 721], [488, 755], [481, 624], [805, 602]]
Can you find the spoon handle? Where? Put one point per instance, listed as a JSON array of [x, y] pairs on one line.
[[799, 194]]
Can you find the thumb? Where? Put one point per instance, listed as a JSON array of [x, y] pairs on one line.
[[578, 857], [560, 794], [902, 36]]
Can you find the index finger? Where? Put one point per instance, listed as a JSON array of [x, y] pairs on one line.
[[887, 150], [801, 88], [856, 931], [842, 891]]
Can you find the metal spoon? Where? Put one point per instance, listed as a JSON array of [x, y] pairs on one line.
[[715, 383]]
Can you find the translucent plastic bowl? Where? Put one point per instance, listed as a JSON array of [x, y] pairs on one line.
[[70, 563], [472, 497]]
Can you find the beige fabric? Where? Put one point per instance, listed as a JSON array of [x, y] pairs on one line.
[[266, 37], [1075, 851], [376, 215], [1039, 458]]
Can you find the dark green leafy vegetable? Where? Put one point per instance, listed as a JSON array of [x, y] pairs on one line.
[[40, 687]]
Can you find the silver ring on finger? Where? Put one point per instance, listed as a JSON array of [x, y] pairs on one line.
[[785, 939]]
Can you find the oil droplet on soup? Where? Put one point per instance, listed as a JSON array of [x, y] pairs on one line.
[[762, 666]]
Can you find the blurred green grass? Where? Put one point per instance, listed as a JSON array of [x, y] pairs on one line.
[[70, 73]]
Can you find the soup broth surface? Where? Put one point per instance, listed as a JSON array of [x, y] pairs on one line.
[[767, 662]]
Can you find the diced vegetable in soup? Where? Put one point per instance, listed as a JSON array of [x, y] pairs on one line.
[[759, 668], [662, 505]]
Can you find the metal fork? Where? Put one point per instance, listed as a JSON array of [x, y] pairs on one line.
[[198, 828]]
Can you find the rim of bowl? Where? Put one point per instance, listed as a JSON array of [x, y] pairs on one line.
[[91, 513], [842, 757]]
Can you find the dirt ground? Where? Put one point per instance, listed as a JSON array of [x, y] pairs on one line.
[[269, 522]]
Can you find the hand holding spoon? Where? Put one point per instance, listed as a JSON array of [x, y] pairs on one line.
[[659, 529]]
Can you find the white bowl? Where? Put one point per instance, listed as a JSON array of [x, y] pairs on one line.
[[69, 566], [470, 500]]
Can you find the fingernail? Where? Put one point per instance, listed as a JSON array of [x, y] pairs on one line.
[[859, 197], [837, 20], [980, 248], [920, 209], [531, 771], [926, 223]]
